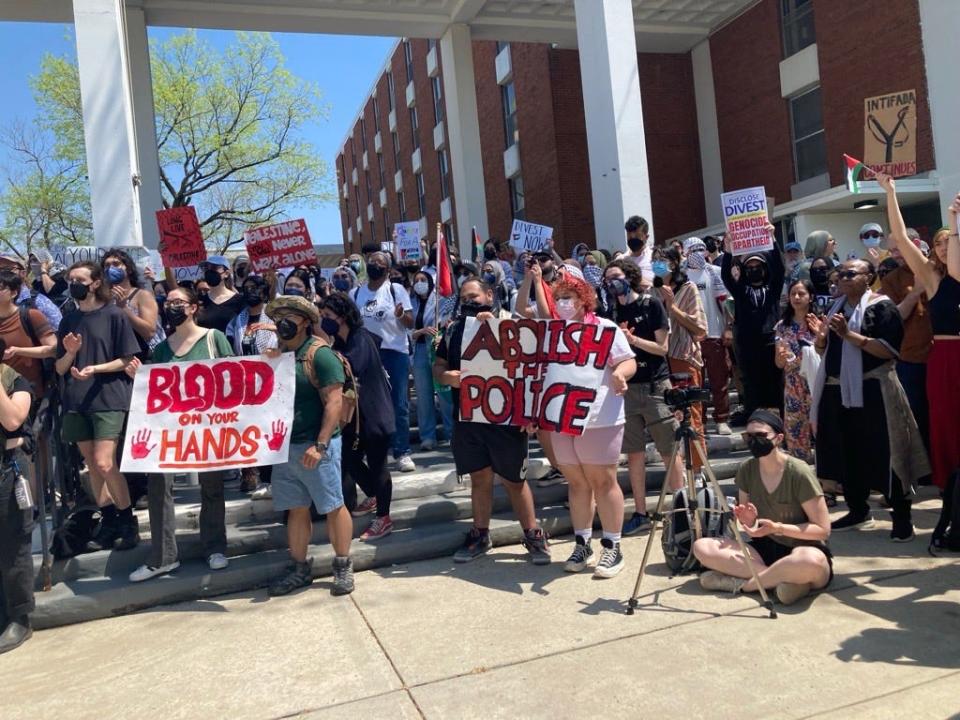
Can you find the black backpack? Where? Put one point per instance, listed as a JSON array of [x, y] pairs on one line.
[[74, 536], [946, 535], [678, 534]]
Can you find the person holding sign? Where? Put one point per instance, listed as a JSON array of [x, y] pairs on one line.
[[480, 450], [312, 474], [589, 461], [187, 342], [95, 343]]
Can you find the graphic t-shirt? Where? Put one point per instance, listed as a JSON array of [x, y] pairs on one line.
[[377, 308]]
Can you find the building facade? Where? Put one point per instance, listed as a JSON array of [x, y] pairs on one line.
[[773, 97]]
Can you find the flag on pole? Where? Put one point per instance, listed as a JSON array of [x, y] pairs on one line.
[[477, 246], [853, 169], [444, 270]]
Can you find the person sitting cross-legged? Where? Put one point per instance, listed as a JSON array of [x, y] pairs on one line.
[[783, 511]]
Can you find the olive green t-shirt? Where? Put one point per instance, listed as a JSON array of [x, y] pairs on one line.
[[200, 350], [785, 503], [307, 405]]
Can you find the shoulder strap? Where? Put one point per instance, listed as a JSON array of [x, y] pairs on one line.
[[308, 368], [211, 345], [393, 293], [356, 293], [28, 324], [351, 384]]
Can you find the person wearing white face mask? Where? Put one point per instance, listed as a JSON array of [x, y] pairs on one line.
[[589, 461], [426, 326]]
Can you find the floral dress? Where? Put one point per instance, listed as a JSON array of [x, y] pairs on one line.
[[796, 393]]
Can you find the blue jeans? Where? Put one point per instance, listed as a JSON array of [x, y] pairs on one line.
[[397, 365], [426, 410]]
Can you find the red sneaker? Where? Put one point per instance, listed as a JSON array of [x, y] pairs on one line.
[[380, 527], [365, 508]]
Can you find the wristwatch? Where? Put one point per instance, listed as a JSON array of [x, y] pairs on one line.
[[320, 447]]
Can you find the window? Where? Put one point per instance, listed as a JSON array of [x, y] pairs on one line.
[[356, 197], [408, 58], [414, 128], [796, 17], [383, 173], [386, 225], [402, 204], [517, 203], [809, 143], [501, 46], [366, 177], [436, 85], [391, 91], [421, 195], [431, 44], [376, 114], [395, 139], [444, 174], [363, 134], [510, 130]]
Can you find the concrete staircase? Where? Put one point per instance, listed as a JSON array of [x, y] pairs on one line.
[[431, 513]]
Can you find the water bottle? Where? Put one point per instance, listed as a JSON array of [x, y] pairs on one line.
[[21, 491]]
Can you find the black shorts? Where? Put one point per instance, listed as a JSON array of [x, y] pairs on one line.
[[770, 551], [477, 446]]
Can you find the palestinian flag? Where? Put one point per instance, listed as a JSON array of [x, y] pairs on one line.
[[854, 168], [477, 246], [445, 282]]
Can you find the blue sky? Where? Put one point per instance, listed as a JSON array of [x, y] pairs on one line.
[[344, 67]]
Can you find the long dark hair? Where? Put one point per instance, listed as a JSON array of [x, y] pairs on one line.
[[787, 316], [342, 306], [133, 274], [102, 293], [677, 277]]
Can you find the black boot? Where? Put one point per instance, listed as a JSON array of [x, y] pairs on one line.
[[128, 535], [16, 634], [106, 533]]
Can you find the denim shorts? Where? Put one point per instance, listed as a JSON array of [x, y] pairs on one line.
[[294, 486]]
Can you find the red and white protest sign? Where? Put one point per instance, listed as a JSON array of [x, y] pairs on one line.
[[210, 415], [745, 213], [181, 239], [285, 244], [546, 372]]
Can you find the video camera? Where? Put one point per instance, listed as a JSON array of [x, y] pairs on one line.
[[683, 395]]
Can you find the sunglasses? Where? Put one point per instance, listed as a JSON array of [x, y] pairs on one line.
[[871, 234], [849, 274]]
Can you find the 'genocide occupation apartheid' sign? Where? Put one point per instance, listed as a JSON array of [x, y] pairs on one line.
[[546, 372], [745, 212], [210, 415]]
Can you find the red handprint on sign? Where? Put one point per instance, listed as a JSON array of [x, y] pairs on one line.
[[138, 448], [276, 436]]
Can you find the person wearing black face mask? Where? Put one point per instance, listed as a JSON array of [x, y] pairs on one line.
[[756, 298], [638, 234], [820, 279], [480, 450], [365, 450], [782, 509], [188, 342], [388, 313], [223, 303]]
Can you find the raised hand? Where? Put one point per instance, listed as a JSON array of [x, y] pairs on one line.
[[886, 182], [746, 514], [140, 447], [838, 323], [72, 342], [276, 436]]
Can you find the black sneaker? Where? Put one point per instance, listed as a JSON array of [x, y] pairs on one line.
[[538, 545], [128, 534], [342, 576], [582, 552], [300, 576], [902, 530], [611, 560], [640, 522], [476, 544], [852, 521]]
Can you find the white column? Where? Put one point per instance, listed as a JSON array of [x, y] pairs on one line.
[[709, 136], [463, 134], [108, 122], [145, 125], [619, 178], [938, 25]]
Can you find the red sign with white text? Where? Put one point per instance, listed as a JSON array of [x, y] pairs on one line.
[[210, 415], [181, 239], [283, 245]]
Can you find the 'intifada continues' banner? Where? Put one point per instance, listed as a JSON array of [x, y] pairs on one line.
[[543, 372], [210, 415]]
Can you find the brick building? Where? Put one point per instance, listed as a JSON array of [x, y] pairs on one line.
[[778, 111]]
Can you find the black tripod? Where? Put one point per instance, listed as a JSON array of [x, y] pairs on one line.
[[686, 437]]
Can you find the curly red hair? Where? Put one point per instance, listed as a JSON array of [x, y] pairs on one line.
[[575, 286]]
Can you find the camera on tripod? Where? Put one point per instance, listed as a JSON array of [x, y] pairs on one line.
[[682, 394]]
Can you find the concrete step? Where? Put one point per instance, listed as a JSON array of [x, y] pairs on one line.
[[96, 585]]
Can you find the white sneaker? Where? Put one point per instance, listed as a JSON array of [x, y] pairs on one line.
[[405, 464], [724, 429], [217, 561], [145, 572], [263, 492]]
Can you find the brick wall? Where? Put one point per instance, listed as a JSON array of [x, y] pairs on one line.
[[492, 141], [888, 58], [752, 118]]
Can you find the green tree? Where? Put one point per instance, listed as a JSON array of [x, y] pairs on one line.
[[229, 130]]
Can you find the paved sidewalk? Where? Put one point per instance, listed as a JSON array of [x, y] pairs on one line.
[[501, 638]]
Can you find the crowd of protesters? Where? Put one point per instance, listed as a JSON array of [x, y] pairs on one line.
[[846, 369]]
